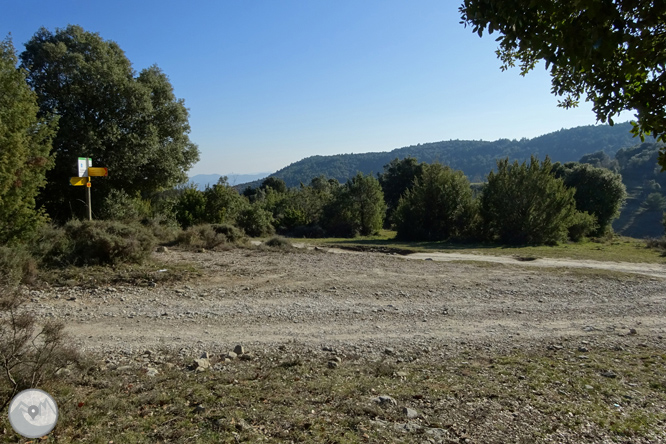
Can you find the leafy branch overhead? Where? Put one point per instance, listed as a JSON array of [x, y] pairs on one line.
[[612, 53]]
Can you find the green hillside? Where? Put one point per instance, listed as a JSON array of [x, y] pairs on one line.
[[474, 157]]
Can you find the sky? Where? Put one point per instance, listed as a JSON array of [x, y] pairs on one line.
[[269, 82]]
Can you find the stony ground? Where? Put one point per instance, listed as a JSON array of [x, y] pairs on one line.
[[265, 298], [306, 306]]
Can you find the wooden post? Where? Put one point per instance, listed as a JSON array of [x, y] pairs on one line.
[[89, 199]]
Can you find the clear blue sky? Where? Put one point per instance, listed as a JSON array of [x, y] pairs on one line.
[[270, 82]]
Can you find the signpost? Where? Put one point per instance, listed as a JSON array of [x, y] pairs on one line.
[[86, 171]]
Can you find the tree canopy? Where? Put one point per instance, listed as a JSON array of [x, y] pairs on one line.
[[613, 52], [25, 145], [132, 124]]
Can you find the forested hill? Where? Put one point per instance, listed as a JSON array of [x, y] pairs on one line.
[[474, 157]]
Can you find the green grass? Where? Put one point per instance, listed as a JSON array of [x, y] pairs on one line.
[[519, 396], [618, 249]]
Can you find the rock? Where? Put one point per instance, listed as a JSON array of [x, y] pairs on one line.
[[199, 409], [162, 249], [385, 400], [337, 359], [151, 371], [582, 349], [246, 357], [333, 364], [204, 355], [239, 350], [389, 351], [588, 387], [632, 331], [124, 368], [201, 364], [608, 374], [232, 355], [410, 413]]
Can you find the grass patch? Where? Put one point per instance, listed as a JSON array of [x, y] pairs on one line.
[[520, 396], [617, 249]]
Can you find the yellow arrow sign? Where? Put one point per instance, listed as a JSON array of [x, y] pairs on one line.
[[78, 181], [97, 171]]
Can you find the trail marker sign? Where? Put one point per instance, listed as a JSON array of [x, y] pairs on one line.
[[84, 164], [78, 181], [99, 171]]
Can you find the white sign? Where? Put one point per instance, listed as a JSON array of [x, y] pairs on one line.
[[84, 164]]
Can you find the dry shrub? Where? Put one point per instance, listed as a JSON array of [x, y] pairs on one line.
[[30, 355], [95, 243], [279, 242], [201, 236]]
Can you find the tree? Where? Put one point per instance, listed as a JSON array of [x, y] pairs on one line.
[[133, 125], [357, 208], [599, 192], [526, 204], [223, 203], [439, 206], [274, 183], [610, 51], [398, 177], [25, 145]]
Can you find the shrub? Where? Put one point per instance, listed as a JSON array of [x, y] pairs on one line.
[[120, 206], [255, 221], [233, 234], [29, 355], [201, 236], [278, 242], [582, 225], [95, 243], [439, 206], [526, 204], [16, 265]]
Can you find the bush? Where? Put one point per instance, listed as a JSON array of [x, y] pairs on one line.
[[439, 206], [279, 242], [95, 243], [120, 206], [582, 225], [29, 356], [202, 236], [255, 221], [526, 204], [16, 265], [233, 234]]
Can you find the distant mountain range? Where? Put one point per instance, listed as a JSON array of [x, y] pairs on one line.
[[476, 158], [203, 180]]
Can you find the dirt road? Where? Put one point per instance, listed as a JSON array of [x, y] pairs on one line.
[[369, 301]]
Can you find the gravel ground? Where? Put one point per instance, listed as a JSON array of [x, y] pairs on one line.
[[263, 298]]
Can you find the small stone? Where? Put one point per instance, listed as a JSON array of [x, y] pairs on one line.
[[232, 355], [337, 359], [162, 249], [201, 364], [608, 374], [410, 413], [151, 371], [239, 350], [632, 331], [247, 357], [333, 364], [200, 409], [204, 355], [385, 400], [389, 351], [582, 349]]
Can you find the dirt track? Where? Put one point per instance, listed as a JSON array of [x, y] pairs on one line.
[[367, 300]]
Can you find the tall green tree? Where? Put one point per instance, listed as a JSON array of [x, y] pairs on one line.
[[132, 124], [526, 204], [25, 145], [398, 177], [599, 191], [357, 208], [611, 52], [439, 206]]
